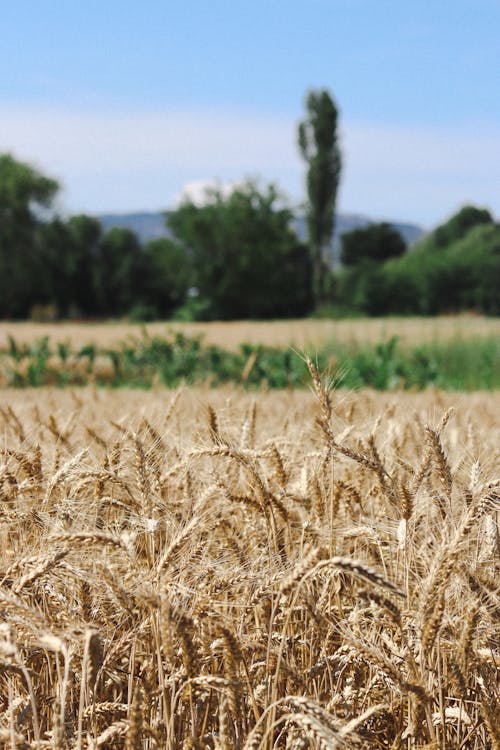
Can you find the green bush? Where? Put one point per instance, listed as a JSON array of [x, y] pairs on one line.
[[429, 280]]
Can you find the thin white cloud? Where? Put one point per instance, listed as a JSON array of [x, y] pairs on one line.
[[127, 140], [120, 160], [126, 160]]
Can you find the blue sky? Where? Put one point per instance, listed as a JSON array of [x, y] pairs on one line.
[[127, 103]]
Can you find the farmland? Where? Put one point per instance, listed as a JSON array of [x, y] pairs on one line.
[[215, 568], [249, 443], [279, 333], [448, 353]]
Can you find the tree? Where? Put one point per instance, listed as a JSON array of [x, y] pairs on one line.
[[120, 272], [318, 143], [376, 242], [55, 247], [459, 224], [83, 263], [169, 276], [24, 195], [247, 261]]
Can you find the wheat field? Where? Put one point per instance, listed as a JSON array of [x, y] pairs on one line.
[[305, 333], [216, 569]]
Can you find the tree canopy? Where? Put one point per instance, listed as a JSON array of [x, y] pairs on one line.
[[460, 223], [246, 260], [376, 242], [68, 264], [430, 279], [24, 194]]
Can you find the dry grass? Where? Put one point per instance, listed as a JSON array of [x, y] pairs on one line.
[[221, 570], [298, 333]]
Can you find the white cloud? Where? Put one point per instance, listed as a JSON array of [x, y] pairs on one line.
[[198, 191], [128, 160], [120, 160], [124, 141]]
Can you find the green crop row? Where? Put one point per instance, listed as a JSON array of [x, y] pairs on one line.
[[174, 359]]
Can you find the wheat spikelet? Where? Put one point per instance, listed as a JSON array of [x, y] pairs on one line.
[[303, 567], [465, 651], [225, 741], [432, 622], [379, 659], [354, 724], [436, 448], [106, 707], [12, 419], [314, 720], [322, 394], [142, 470], [184, 628], [358, 568], [486, 589], [89, 538], [95, 657], [121, 595], [118, 728], [248, 430], [43, 564], [94, 435], [157, 442], [176, 543], [133, 740], [232, 656], [278, 465], [378, 465], [213, 425], [384, 603]]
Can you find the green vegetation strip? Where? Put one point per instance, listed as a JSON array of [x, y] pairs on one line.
[[175, 359]]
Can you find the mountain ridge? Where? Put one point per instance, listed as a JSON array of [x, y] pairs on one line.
[[150, 225]]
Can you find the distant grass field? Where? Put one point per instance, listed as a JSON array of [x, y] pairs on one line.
[[283, 333]]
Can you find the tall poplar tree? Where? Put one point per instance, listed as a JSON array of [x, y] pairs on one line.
[[318, 143]]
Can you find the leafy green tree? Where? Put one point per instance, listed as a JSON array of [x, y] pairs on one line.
[[464, 275], [120, 272], [169, 276], [376, 242], [83, 262], [55, 242], [247, 261], [459, 224], [70, 251], [318, 143], [25, 194]]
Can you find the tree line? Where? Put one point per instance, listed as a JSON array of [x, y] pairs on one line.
[[455, 268], [237, 256], [69, 267]]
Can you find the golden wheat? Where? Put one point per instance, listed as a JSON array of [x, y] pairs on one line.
[[216, 569]]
